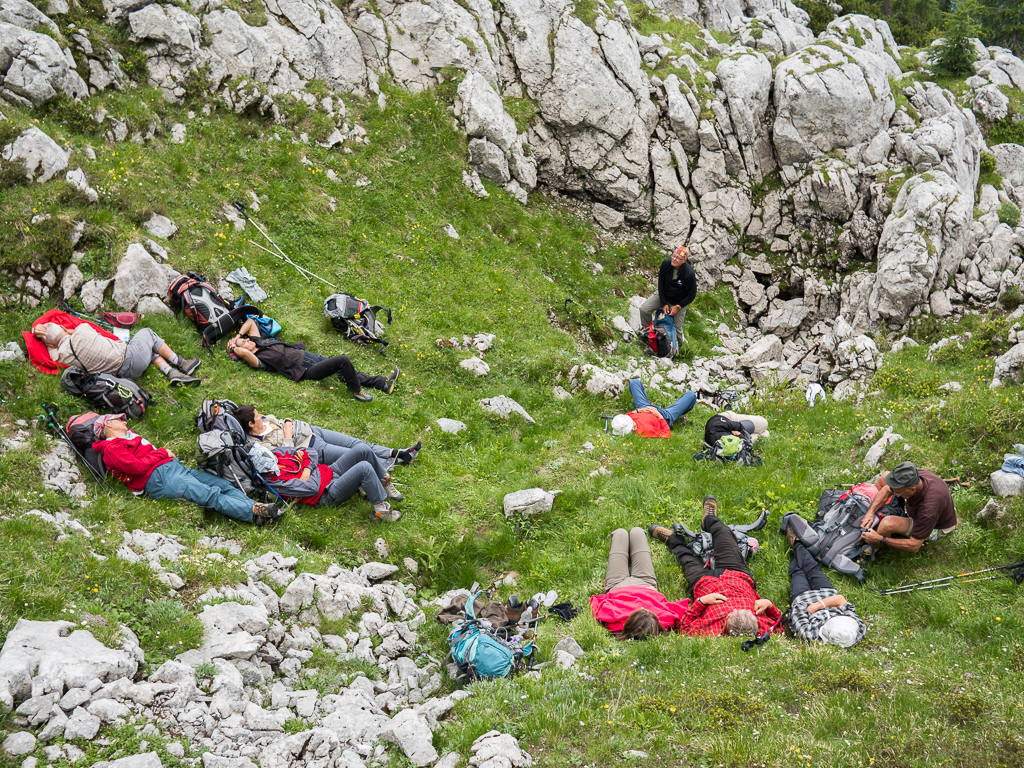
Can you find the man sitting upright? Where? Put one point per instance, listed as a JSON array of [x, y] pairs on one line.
[[725, 597]]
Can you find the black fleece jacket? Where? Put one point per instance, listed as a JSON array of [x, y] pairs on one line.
[[680, 290]]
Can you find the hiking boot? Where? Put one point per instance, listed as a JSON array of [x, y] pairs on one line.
[[710, 507], [389, 488], [265, 514], [389, 383], [384, 513], [178, 379], [188, 365], [659, 532], [790, 536], [362, 396]]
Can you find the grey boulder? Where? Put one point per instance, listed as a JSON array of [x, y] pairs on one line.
[[138, 275], [410, 731], [530, 501], [33, 68], [42, 157]]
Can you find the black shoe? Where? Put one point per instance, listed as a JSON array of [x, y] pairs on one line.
[[389, 384], [710, 507], [265, 514], [659, 532], [188, 365]]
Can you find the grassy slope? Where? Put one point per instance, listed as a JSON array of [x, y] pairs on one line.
[[784, 705]]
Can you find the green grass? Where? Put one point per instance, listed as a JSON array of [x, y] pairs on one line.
[[509, 274]]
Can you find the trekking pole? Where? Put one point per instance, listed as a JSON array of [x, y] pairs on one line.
[[947, 580], [64, 307], [49, 417], [306, 273], [272, 253]]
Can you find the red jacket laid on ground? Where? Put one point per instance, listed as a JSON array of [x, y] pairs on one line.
[[709, 620], [650, 424], [613, 608], [37, 352], [131, 460]]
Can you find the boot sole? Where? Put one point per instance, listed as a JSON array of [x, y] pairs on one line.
[[192, 369]]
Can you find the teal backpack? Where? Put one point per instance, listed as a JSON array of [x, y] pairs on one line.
[[482, 652]]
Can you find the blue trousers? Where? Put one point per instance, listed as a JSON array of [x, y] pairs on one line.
[[357, 467], [681, 406], [174, 481]]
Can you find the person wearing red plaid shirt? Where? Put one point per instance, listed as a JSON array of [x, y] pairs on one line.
[[725, 597]]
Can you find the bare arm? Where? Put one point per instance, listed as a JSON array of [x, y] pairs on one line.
[[829, 602], [884, 492], [249, 328]]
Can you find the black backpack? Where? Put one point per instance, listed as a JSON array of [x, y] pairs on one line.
[[214, 414], [107, 392], [201, 303], [82, 436], [356, 319], [834, 538]]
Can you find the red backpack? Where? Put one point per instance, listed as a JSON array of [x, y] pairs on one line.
[[204, 307]]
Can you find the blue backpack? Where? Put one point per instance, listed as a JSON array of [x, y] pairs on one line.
[[481, 652]]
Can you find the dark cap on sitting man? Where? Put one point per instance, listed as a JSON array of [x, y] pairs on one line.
[[903, 475]]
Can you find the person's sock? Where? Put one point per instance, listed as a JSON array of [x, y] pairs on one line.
[[174, 360], [165, 368]]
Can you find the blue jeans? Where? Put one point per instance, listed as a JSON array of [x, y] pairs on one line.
[[357, 467], [173, 481], [333, 445], [681, 406]]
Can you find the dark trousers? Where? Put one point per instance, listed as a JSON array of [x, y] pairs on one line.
[[319, 367], [805, 573], [727, 553]]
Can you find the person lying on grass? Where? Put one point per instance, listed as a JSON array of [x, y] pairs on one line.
[[631, 606], [928, 503], [293, 433], [294, 362], [156, 473], [725, 597], [94, 352], [817, 611], [732, 423], [648, 419], [297, 473]]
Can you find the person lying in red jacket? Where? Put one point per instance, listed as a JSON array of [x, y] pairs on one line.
[[156, 473], [725, 597]]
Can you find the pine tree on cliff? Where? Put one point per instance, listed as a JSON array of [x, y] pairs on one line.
[[955, 54]]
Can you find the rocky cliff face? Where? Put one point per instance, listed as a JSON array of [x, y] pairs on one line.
[[811, 174]]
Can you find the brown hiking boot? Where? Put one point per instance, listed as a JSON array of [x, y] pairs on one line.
[[390, 490], [659, 532], [710, 507], [790, 536]]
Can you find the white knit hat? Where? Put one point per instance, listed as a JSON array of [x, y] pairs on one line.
[[840, 630], [622, 425]]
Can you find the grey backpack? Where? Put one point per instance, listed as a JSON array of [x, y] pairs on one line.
[[834, 538]]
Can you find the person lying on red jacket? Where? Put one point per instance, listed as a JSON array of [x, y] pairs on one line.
[[725, 597], [157, 473]]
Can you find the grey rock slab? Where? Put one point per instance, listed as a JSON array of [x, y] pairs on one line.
[[376, 571], [231, 617], [607, 217], [72, 281], [74, 698], [54, 728], [410, 731], [530, 501], [500, 747], [483, 112], [19, 743], [829, 98], [35, 69], [210, 760], [37, 648], [22, 13], [41, 156], [138, 275], [1006, 483], [145, 760], [505, 407], [569, 645], [237, 645], [81, 725], [160, 226]]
